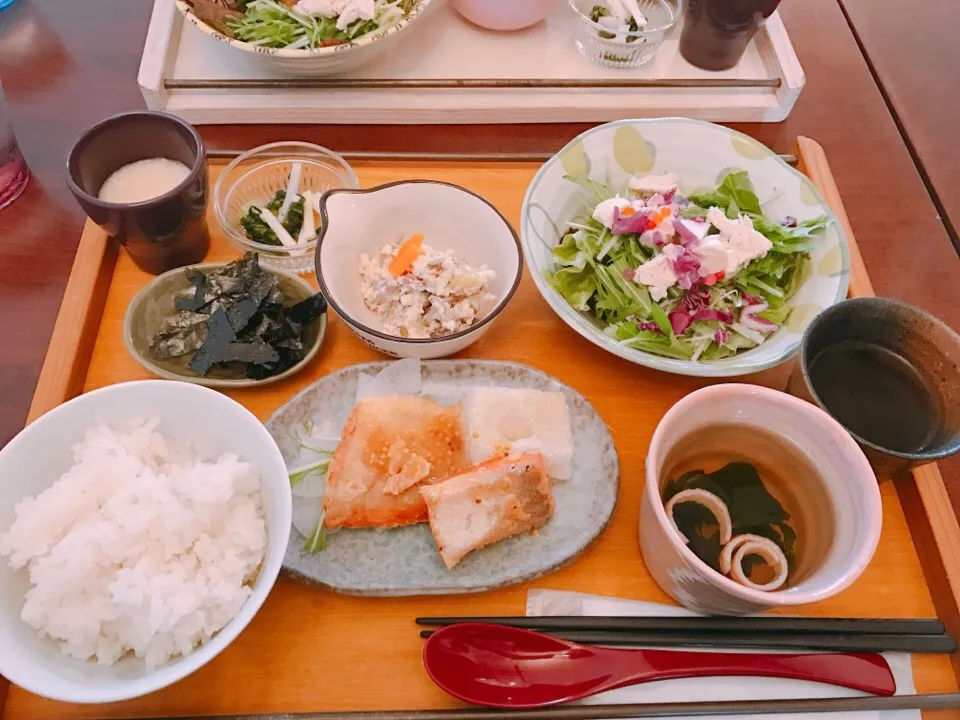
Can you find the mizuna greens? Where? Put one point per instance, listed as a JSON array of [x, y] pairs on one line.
[[313, 23], [694, 278]]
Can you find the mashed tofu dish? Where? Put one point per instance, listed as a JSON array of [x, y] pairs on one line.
[[417, 291]]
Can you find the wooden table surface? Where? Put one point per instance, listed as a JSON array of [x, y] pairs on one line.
[[66, 64], [912, 48]]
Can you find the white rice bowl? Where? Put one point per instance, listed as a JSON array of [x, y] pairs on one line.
[[138, 548], [132, 552]]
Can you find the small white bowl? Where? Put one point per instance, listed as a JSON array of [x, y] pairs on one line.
[[37, 457], [851, 495], [450, 217], [504, 15]]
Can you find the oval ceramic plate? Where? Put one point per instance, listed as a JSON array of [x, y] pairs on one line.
[[404, 561], [154, 302], [700, 154]]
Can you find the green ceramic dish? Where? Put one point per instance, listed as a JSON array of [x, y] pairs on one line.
[[154, 303]]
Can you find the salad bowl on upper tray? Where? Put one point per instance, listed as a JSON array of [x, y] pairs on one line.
[[682, 246], [298, 39]]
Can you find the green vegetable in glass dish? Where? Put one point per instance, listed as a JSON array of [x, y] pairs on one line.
[[287, 219], [310, 24], [692, 278], [257, 229], [621, 17]]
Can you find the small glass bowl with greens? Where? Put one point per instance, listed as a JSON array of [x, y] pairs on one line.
[[623, 33], [266, 201]]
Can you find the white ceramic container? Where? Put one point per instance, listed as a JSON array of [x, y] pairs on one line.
[[848, 500], [37, 457], [450, 217]]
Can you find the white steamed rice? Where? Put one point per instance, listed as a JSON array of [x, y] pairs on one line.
[[139, 547]]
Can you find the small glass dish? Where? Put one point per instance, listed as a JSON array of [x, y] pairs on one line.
[[255, 176], [614, 48]]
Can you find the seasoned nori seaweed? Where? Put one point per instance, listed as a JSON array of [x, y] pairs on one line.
[[180, 334], [236, 315], [308, 310], [196, 299]]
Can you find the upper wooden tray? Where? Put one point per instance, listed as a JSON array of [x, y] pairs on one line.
[[534, 75], [312, 650]]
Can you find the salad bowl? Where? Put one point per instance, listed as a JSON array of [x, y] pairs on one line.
[[305, 61], [707, 160]]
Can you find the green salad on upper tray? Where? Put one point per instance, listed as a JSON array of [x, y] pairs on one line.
[[693, 278], [300, 24]]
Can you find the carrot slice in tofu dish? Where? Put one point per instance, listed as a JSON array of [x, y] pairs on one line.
[[406, 255]]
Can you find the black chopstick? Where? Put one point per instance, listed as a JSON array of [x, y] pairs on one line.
[[844, 626], [759, 641], [937, 701]]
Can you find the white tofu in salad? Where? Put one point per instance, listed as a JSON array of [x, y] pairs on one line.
[[699, 276]]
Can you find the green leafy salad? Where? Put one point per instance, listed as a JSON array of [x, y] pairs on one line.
[[702, 277], [311, 23]]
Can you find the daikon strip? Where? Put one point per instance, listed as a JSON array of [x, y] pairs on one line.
[[271, 220], [634, 9], [293, 187], [309, 229]]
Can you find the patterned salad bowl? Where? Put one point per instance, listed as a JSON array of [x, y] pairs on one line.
[[700, 154], [318, 61]]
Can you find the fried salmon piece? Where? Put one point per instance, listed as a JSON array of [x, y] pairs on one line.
[[487, 503], [390, 445]]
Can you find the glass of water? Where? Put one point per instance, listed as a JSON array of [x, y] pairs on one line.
[[13, 169]]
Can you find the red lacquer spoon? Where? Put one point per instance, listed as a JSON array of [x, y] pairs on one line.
[[506, 667]]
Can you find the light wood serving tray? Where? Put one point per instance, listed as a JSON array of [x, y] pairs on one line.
[[309, 650], [449, 71]]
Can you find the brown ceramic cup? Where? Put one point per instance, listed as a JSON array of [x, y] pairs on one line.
[[161, 233], [925, 354]]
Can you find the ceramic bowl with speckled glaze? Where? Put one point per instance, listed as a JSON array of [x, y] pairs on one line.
[[914, 421], [846, 499], [700, 154], [405, 561]]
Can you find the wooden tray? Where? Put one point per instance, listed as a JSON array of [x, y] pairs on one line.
[[311, 650], [469, 75]]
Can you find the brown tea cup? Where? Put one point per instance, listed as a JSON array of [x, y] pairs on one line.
[[160, 233], [890, 374]]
